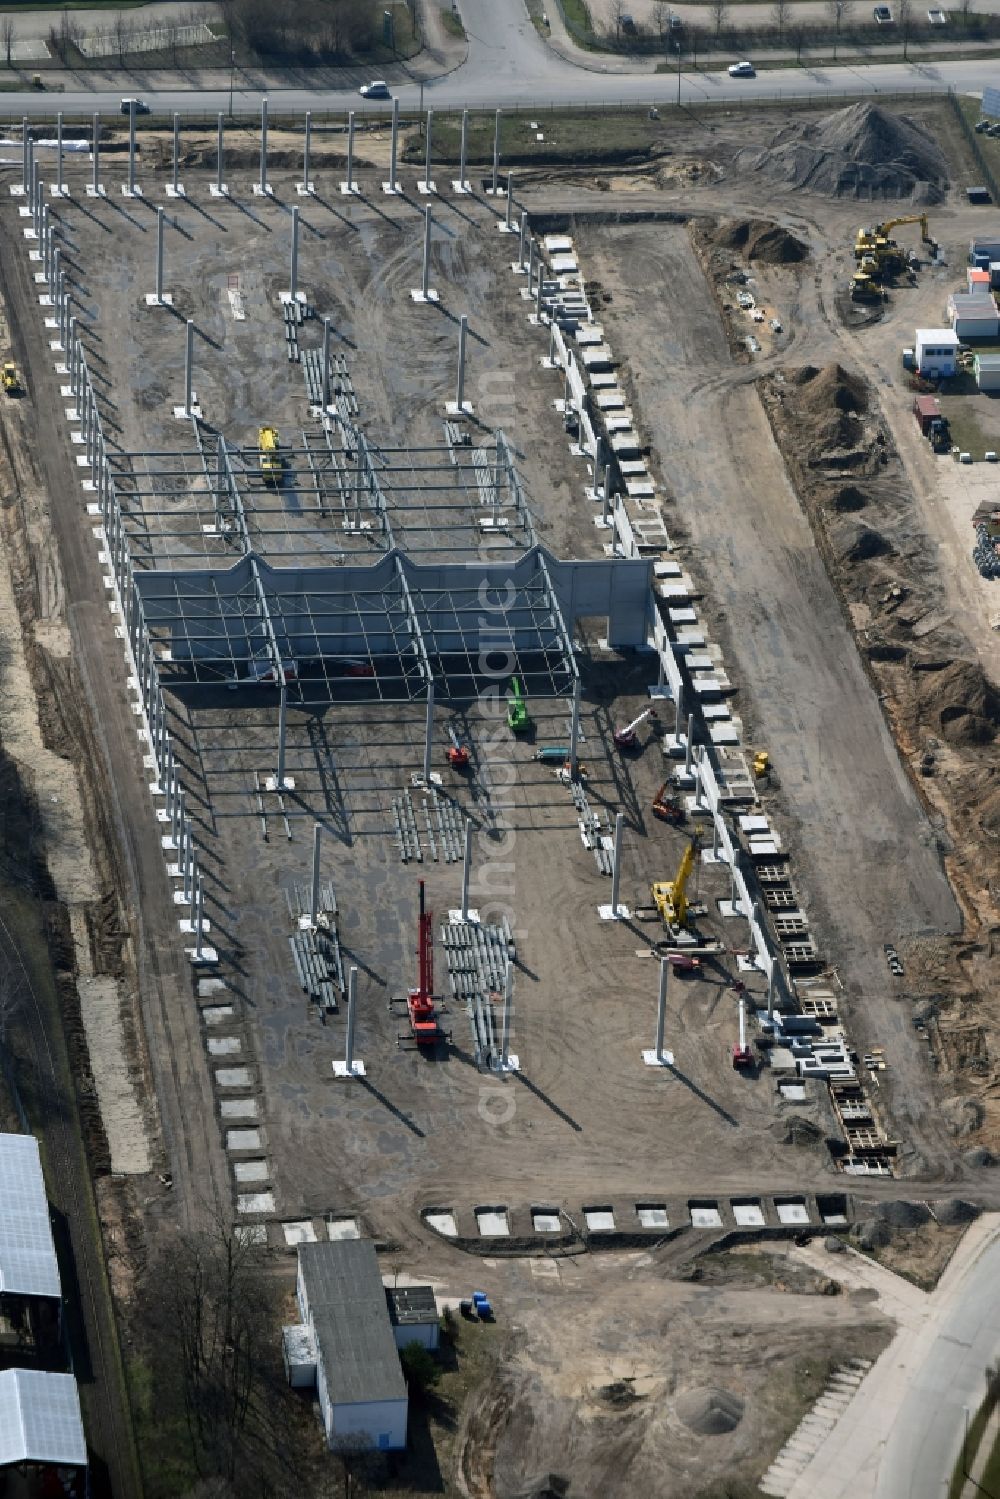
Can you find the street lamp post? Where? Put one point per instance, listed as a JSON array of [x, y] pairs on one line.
[[232, 78]]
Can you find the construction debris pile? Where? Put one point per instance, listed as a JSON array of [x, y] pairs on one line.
[[859, 152]]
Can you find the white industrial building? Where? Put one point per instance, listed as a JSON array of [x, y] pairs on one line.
[[987, 368], [973, 315], [346, 1346], [40, 1422], [936, 352]]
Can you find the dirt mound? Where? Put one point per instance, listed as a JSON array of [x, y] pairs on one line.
[[795, 1130], [710, 1411], [963, 1116], [978, 1158], [954, 1210], [903, 1214], [860, 543], [831, 387], [849, 497], [760, 239], [860, 152], [962, 701]]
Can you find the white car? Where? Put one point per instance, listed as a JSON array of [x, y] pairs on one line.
[[741, 70], [375, 90], [776, 325], [937, 17]]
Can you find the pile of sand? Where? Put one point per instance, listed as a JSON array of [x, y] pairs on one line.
[[848, 498], [962, 702], [859, 152], [856, 542], [709, 1411], [829, 406], [759, 239]]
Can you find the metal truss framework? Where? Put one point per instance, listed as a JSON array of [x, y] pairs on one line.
[[340, 497], [388, 631]]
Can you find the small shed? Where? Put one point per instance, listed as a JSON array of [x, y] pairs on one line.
[[973, 315], [414, 1316], [987, 371], [977, 280], [936, 352]]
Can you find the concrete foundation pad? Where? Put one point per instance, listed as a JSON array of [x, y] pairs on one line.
[[455, 917], [426, 189], [443, 1223], [350, 189], [243, 1139], [251, 1171], [305, 189], [208, 955], [175, 192], [512, 1064], [255, 1202], [267, 191], [729, 908], [356, 1069], [339, 1229], [456, 412], [152, 300], [190, 930], [419, 296], [393, 188], [131, 192], [218, 190], [461, 188], [100, 191], [612, 913], [56, 191], [273, 784], [662, 1059], [506, 228]]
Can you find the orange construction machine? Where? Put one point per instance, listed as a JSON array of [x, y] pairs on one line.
[[420, 1001]]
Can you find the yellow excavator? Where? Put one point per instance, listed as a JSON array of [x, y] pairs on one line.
[[11, 380], [671, 895], [875, 243]]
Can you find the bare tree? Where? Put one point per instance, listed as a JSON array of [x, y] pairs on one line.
[[905, 12], [779, 15], [7, 36], [122, 33], [840, 11], [617, 11], [661, 18], [718, 10]]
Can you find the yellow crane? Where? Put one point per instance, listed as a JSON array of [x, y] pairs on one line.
[[876, 241], [671, 895]]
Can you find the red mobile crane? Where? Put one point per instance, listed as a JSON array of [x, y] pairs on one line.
[[420, 1001]]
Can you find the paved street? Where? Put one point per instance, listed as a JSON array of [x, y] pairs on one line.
[[900, 1437]]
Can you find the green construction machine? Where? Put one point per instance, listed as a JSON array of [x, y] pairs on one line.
[[519, 720]]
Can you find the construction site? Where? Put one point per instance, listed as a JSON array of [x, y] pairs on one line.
[[508, 703]]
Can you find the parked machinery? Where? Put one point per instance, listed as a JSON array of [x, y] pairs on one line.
[[875, 245], [458, 753], [671, 895], [519, 720], [420, 1001], [11, 380], [627, 738], [668, 808], [270, 455]]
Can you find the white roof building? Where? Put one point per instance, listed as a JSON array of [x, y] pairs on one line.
[[40, 1419], [28, 1265]]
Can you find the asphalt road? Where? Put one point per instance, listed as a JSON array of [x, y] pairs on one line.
[[901, 1435]]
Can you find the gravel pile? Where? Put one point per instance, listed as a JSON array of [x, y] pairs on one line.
[[860, 152]]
